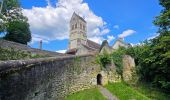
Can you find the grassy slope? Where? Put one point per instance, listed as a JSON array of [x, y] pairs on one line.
[[89, 94], [151, 92], [124, 92]]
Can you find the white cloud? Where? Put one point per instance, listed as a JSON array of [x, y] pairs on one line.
[[126, 33], [154, 36], [110, 38], [61, 51], [99, 39], [52, 23], [116, 26], [36, 38], [137, 44]]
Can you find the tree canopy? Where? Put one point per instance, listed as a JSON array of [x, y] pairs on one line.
[[153, 56], [14, 23]]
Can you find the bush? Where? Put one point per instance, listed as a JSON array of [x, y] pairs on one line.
[[103, 59]]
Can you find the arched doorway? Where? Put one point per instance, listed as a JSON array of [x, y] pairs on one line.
[[99, 79]]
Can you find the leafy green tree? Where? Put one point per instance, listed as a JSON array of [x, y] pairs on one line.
[[8, 5], [103, 59], [161, 47], [117, 58], [153, 57], [14, 23], [18, 31]]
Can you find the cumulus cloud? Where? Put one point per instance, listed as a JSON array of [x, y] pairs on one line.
[[116, 26], [61, 51], [36, 38], [110, 38], [126, 33], [99, 39], [52, 23], [154, 36]]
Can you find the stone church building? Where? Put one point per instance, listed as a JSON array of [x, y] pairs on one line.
[[80, 45]]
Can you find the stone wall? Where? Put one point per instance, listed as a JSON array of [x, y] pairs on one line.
[[17, 46], [46, 78], [55, 77], [129, 70]]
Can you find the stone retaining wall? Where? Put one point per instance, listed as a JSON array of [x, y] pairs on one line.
[[53, 78], [46, 79]]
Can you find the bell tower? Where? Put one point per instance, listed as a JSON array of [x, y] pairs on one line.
[[78, 30]]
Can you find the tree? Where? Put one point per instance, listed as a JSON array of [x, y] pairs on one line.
[[15, 24], [153, 60], [18, 31], [161, 47]]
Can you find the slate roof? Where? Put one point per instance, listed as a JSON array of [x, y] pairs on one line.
[[92, 44]]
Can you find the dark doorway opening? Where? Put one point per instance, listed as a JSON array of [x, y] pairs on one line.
[[99, 79]]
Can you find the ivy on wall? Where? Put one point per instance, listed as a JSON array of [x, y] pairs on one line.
[[115, 57]]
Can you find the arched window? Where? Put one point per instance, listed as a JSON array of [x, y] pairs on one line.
[[76, 25], [80, 26], [84, 27], [72, 27]]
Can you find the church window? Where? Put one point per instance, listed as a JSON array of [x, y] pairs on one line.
[[80, 26], [72, 28], [83, 27], [75, 25]]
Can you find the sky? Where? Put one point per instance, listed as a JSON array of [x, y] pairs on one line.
[[106, 20]]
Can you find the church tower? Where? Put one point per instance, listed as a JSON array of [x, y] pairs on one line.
[[78, 30]]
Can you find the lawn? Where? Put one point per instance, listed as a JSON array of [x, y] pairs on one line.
[[125, 92], [89, 94], [149, 91]]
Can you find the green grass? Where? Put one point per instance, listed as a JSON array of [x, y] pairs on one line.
[[125, 92], [151, 92], [89, 94]]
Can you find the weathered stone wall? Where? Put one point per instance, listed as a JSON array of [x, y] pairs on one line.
[[21, 47], [55, 77], [129, 70], [47, 78]]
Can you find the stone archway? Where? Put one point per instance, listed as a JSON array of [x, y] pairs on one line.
[[99, 79]]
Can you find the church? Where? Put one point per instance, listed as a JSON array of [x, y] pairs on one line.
[[80, 45]]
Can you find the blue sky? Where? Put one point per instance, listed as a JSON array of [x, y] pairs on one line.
[[131, 18]]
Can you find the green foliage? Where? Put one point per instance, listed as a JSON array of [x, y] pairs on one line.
[[89, 94], [9, 4], [153, 57], [117, 57], [149, 91], [13, 23], [103, 59], [158, 61], [124, 92], [18, 31], [12, 54]]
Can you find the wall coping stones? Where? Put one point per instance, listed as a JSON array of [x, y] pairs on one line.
[[16, 65]]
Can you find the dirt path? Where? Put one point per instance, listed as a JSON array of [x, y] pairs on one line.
[[107, 93]]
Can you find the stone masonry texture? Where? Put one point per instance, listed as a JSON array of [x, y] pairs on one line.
[[47, 78], [52, 78]]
